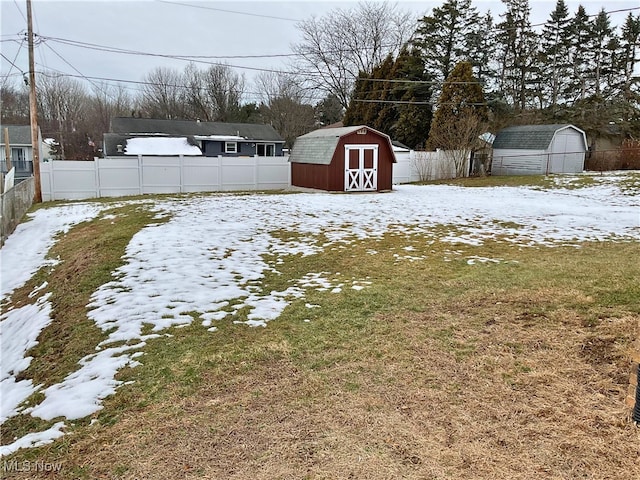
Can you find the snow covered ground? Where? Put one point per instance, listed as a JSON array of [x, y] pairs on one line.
[[209, 258]]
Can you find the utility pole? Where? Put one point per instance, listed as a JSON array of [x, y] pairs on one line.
[[33, 109], [7, 149]]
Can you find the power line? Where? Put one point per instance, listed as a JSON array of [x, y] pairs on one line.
[[411, 102], [20, 10], [6, 77], [105, 48], [74, 68], [229, 11], [194, 59]]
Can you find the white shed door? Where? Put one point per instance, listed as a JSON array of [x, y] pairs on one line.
[[360, 168], [567, 152]]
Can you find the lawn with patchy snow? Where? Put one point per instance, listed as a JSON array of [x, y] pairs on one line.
[[207, 254]]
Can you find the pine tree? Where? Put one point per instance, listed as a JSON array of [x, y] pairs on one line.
[[518, 45], [630, 53], [601, 47], [355, 112], [629, 96], [580, 35], [554, 55], [368, 96], [460, 116], [413, 114], [378, 95], [444, 36], [482, 48]]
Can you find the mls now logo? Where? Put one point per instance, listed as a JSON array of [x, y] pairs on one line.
[[27, 466]]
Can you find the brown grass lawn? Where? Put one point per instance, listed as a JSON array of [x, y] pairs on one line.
[[438, 370]]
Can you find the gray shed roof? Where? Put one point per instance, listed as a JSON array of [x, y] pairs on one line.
[[318, 146], [529, 137], [250, 131], [18, 134]]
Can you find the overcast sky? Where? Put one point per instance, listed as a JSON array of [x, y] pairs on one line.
[[185, 27]]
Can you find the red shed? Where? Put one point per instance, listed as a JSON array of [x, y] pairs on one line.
[[346, 159]]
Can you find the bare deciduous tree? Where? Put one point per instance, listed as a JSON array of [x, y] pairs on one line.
[[285, 106], [457, 140], [336, 47], [163, 94], [223, 91], [63, 105]]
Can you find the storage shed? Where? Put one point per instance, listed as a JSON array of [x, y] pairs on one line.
[[345, 159], [539, 150]]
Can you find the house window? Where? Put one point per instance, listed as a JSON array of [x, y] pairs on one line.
[[18, 158], [230, 147], [266, 149]]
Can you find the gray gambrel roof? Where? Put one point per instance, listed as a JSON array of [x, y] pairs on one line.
[[529, 137], [18, 134], [149, 126], [318, 146]]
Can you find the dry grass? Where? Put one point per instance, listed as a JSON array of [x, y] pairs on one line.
[[439, 370], [426, 397]]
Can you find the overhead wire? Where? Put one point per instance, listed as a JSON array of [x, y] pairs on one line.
[[13, 64], [229, 11], [202, 58]]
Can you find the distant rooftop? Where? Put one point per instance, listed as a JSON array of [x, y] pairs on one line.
[[154, 126]]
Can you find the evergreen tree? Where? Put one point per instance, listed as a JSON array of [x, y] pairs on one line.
[[444, 37], [629, 96], [459, 117], [630, 53], [397, 99], [412, 88], [518, 46], [329, 110], [355, 111], [554, 55], [580, 38], [482, 47], [370, 93], [601, 46]]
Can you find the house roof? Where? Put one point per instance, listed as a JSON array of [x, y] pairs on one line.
[[529, 137], [160, 146], [18, 134], [149, 145], [318, 146], [148, 126]]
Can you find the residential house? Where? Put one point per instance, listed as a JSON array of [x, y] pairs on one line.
[[21, 156], [186, 137]]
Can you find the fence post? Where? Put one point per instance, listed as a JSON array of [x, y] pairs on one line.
[[52, 183], [96, 166], [140, 180], [548, 159], [181, 163], [220, 172], [255, 172]]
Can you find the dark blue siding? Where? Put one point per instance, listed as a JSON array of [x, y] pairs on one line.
[[213, 148]]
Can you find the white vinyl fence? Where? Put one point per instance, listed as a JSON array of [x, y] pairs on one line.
[[116, 177], [123, 176], [417, 166]]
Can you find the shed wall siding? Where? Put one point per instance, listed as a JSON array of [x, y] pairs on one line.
[[518, 162], [310, 175]]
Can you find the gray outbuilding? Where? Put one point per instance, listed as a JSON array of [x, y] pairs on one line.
[[539, 150]]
